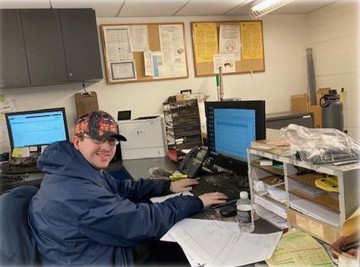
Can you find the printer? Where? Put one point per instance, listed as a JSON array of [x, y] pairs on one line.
[[145, 137]]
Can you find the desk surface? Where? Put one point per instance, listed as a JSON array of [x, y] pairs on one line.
[[36, 178], [139, 168], [30, 179]]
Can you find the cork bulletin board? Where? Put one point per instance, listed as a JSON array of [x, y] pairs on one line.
[[236, 46], [144, 52]]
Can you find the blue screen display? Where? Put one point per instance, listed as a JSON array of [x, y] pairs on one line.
[[234, 131], [231, 127], [36, 128]]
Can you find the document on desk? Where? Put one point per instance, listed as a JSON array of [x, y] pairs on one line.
[[220, 243], [296, 248]]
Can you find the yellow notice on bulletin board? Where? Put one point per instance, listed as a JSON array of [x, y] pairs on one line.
[[252, 41], [236, 46], [206, 44]]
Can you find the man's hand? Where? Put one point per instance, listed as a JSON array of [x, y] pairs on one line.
[[182, 185], [208, 199], [215, 198], [337, 248]]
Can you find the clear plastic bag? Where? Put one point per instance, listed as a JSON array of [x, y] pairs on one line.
[[320, 145]]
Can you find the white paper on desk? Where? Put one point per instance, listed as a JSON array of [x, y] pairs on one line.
[[217, 243], [220, 225]]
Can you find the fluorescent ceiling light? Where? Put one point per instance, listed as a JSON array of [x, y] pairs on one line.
[[266, 7]]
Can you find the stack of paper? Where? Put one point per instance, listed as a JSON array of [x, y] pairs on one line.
[[315, 211], [220, 243], [271, 217], [276, 208]]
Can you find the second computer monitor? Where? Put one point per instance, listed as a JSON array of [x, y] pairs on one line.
[[231, 127], [35, 128]]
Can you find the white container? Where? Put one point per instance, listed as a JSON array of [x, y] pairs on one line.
[[245, 213]]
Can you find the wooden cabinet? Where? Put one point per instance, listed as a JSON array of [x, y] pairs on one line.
[[13, 62], [61, 46], [308, 207]]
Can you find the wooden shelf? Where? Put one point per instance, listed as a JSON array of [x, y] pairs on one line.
[[270, 169], [329, 202]]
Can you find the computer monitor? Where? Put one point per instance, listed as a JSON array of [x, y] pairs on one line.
[[36, 128], [231, 127]]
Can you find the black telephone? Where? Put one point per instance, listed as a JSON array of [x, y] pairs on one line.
[[191, 165]]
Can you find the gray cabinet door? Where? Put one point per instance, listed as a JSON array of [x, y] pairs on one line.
[[13, 63], [81, 43], [44, 46]]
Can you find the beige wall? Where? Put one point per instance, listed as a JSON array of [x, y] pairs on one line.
[[286, 38], [334, 36]]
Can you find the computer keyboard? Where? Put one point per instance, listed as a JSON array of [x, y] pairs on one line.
[[206, 187], [331, 156], [9, 168]]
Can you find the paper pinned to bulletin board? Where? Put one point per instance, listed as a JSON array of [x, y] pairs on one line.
[[144, 52], [236, 46], [6, 105]]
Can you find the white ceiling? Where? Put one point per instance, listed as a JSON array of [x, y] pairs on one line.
[[165, 8]]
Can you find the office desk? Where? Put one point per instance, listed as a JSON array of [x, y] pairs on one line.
[[36, 178], [139, 168], [162, 253], [31, 179]]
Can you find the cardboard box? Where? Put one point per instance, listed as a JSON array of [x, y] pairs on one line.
[[316, 110], [320, 93], [300, 103], [316, 228], [145, 138]]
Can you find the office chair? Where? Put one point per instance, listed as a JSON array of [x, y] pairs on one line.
[[17, 243]]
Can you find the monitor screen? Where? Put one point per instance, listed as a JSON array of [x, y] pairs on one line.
[[36, 127], [231, 127]]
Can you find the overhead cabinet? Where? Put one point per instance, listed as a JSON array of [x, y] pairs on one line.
[[44, 46], [13, 62], [61, 46], [81, 45]]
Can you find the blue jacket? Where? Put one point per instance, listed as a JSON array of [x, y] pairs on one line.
[[83, 216]]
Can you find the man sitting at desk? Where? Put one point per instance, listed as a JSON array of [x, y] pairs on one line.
[[81, 215]]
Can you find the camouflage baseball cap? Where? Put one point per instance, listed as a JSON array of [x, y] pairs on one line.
[[98, 125]]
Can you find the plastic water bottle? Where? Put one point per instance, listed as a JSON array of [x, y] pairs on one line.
[[245, 213]]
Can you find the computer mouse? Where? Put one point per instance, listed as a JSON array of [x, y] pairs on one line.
[[228, 211]]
